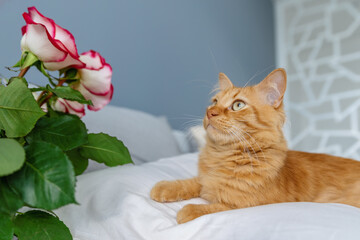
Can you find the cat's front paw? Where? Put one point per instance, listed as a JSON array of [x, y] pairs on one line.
[[164, 191], [189, 212]]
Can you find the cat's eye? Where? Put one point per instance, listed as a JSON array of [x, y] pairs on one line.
[[237, 105], [214, 102]]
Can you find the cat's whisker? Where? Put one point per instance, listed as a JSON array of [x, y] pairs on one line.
[[253, 139], [181, 118], [193, 122], [241, 139], [204, 83], [216, 88], [198, 116], [192, 119], [257, 74], [255, 152], [256, 144], [192, 130], [191, 127]]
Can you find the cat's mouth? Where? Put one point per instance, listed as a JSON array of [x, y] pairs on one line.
[[209, 126], [212, 127]]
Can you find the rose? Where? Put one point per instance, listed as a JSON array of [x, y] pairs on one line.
[[95, 85], [95, 80], [52, 44]]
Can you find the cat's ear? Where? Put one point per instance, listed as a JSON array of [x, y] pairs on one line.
[[272, 88], [224, 82]]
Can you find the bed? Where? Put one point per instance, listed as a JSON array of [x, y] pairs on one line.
[[114, 203]]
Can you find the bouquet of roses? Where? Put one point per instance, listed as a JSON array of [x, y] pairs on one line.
[[43, 142]]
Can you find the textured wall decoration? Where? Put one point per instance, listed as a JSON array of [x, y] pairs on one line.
[[318, 42]]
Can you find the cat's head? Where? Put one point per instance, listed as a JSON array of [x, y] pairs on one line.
[[238, 114]]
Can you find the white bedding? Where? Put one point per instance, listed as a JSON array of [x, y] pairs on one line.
[[115, 204]]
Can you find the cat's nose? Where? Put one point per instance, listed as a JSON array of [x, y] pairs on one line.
[[212, 112]]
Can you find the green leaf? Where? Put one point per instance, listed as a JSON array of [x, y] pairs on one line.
[[105, 149], [67, 131], [10, 201], [70, 94], [52, 113], [18, 109], [6, 228], [38, 89], [79, 162], [40, 225], [12, 156], [20, 78], [21, 141], [47, 179]]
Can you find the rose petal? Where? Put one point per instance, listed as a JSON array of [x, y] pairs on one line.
[[76, 106], [37, 40], [37, 17], [93, 60], [23, 30], [60, 106], [68, 62], [97, 82], [71, 107], [67, 40], [23, 43], [99, 101]]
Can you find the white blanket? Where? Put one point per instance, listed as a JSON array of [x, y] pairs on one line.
[[115, 204]]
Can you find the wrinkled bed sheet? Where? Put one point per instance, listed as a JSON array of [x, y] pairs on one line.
[[115, 204]]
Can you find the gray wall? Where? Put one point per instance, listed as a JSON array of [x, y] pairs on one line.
[[165, 54]]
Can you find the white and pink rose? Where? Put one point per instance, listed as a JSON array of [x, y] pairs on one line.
[[52, 44], [95, 80], [56, 48], [95, 85]]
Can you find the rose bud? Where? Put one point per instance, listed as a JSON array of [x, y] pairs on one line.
[[71, 107]]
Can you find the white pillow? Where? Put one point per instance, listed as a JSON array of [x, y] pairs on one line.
[[147, 137], [182, 141]]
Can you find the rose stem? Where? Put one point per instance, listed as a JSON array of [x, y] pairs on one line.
[[23, 72], [61, 82]]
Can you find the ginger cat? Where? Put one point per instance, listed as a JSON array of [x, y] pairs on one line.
[[246, 162]]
